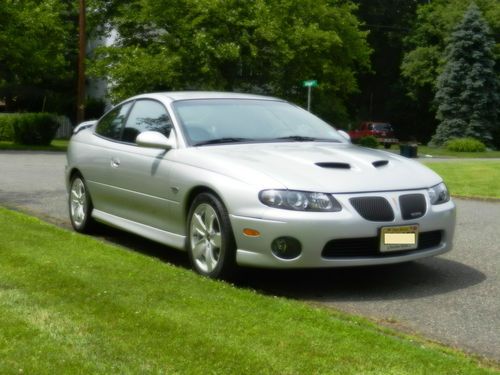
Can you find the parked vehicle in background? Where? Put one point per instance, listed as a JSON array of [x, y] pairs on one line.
[[383, 131], [248, 180]]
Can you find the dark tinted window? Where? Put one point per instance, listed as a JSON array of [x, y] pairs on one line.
[[146, 115], [110, 126], [382, 127]]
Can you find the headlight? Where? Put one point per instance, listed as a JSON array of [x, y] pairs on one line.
[[299, 200], [439, 194]]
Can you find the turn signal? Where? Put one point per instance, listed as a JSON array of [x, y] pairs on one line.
[[251, 232]]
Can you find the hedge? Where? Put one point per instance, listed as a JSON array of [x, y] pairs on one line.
[[28, 128], [6, 131], [465, 145], [368, 141]]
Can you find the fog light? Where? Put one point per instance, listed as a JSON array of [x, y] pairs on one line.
[[286, 247]]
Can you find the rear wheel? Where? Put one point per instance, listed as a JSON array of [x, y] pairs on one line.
[[80, 206], [211, 244]]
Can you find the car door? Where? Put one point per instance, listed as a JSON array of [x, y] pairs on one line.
[[97, 163], [141, 174]]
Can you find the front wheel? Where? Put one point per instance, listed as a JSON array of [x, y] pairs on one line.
[[80, 206], [210, 244]]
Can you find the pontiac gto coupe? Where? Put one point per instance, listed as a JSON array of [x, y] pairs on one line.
[[246, 180]]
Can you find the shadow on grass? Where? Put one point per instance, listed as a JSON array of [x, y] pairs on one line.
[[427, 277]]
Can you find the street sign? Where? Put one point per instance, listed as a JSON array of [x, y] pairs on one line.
[[310, 83]]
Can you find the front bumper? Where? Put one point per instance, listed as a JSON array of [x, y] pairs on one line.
[[391, 141], [314, 230]]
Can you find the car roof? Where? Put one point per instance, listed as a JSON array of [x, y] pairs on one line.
[[189, 95]]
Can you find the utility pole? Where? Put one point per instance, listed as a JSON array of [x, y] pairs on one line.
[[80, 101]]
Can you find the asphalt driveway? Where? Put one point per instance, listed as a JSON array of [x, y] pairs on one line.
[[454, 298]]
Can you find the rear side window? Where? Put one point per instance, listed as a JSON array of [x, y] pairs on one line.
[[146, 115], [110, 126]]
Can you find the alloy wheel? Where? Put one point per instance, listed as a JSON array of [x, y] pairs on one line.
[[78, 202], [205, 238]]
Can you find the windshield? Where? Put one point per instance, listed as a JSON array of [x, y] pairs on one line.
[[382, 127], [211, 121]]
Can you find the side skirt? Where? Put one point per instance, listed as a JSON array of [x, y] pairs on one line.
[[154, 234]]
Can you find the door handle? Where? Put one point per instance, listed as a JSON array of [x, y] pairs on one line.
[[115, 162]]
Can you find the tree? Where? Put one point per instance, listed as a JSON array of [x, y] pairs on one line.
[[434, 22], [261, 46], [35, 51], [424, 59], [382, 96], [467, 93]]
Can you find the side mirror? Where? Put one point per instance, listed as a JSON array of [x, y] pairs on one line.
[[156, 140], [345, 135]]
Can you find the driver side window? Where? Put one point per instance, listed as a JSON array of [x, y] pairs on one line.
[[146, 115]]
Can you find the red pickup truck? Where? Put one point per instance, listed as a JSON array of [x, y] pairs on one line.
[[380, 130]]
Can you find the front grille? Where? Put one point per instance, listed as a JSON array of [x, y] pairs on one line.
[[369, 246], [413, 206], [373, 208]]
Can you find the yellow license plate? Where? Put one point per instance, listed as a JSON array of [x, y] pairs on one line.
[[398, 238]]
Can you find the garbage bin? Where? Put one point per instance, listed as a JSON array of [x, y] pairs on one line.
[[409, 151]]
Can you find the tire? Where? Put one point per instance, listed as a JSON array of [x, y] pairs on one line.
[[210, 243], [80, 206], [387, 146]]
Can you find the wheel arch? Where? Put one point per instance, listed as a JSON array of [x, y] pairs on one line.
[[74, 172], [193, 193], [70, 175]]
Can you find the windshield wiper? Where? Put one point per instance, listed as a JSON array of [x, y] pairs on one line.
[[300, 138], [222, 140]]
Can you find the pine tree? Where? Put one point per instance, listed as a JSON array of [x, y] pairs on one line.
[[467, 95]]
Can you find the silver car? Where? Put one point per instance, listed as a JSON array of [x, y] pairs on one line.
[[246, 180]]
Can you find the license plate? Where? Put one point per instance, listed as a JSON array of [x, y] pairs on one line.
[[398, 238]]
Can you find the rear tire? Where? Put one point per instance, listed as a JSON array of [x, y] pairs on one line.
[[210, 243], [80, 206]]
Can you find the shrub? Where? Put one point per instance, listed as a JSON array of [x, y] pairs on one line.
[[34, 128], [369, 141], [6, 131], [465, 145]]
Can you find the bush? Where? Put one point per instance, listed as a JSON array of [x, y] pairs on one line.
[[34, 128], [465, 145], [6, 131], [369, 141]]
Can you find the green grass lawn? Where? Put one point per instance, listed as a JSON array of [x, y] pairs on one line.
[[439, 152], [475, 179], [442, 152], [56, 145], [72, 304]]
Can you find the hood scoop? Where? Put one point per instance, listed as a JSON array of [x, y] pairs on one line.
[[334, 165], [380, 163]]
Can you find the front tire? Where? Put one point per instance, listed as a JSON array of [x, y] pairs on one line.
[[210, 245], [80, 206]]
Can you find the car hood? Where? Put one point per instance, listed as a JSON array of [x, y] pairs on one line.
[[313, 166]]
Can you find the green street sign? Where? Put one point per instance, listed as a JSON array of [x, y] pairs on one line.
[[310, 83]]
